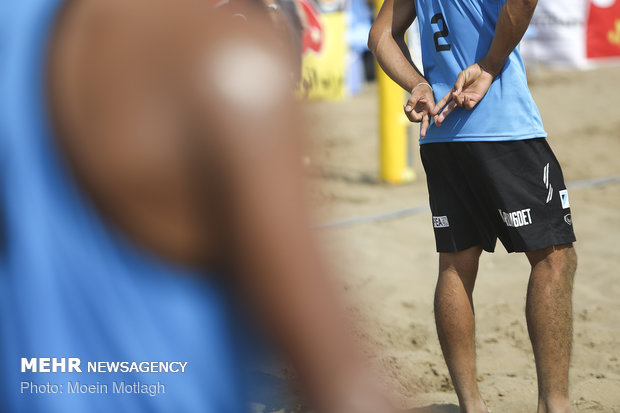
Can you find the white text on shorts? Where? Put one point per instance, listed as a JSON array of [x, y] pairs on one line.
[[516, 219]]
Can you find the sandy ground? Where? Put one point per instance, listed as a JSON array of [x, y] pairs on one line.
[[389, 267]]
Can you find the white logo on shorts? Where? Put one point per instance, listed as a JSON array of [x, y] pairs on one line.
[[564, 197], [568, 219], [517, 218], [546, 182], [440, 222]]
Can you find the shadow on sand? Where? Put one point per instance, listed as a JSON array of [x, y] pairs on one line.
[[273, 394], [436, 408]]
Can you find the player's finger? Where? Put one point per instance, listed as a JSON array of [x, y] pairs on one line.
[[429, 106], [460, 82], [444, 113], [425, 123], [459, 98], [442, 102], [411, 103], [412, 115], [470, 103]]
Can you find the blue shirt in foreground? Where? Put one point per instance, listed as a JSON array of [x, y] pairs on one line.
[[70, 286]]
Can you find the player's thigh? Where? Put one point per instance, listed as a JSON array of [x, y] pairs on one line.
[[457, 217], [525, 193]]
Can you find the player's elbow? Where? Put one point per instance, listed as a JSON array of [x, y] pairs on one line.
[[375, 35], [373, 39]]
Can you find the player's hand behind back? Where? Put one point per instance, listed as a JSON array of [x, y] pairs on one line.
[[419, 107], [470, 87]]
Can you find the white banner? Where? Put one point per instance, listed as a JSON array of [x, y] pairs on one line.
[[573, 33]]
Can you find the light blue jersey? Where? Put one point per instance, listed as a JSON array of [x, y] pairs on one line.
[[454, 35], [70, 286]]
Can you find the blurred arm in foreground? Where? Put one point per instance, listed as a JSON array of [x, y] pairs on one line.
[[180, 126]]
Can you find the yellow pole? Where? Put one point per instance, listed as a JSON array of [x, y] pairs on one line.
[[393, 124]]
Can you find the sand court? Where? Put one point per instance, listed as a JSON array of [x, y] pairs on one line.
[[389, 266]]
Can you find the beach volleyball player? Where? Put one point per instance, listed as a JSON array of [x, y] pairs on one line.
[[150, 191], [490, 172]]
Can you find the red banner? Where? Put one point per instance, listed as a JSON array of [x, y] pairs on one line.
[[603, 29]]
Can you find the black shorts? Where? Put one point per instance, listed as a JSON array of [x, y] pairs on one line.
[[511, 190]]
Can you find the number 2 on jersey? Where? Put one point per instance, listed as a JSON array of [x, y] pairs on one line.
[[441, 33]]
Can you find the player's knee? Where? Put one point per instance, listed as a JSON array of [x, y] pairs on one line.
[[560, 260], [464, 263], [571, 257], [565, 258]]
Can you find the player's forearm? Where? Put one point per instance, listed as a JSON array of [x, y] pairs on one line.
[[393, 57], [513, 20], [278, 267], [286, 284]]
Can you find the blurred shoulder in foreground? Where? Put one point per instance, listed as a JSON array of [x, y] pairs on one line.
[[149, 97]]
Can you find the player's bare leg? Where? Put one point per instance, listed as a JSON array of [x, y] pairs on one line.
[[454, 315], [550, 323]]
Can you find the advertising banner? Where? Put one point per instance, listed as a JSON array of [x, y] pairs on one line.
[[324, 51], [574, 33]]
